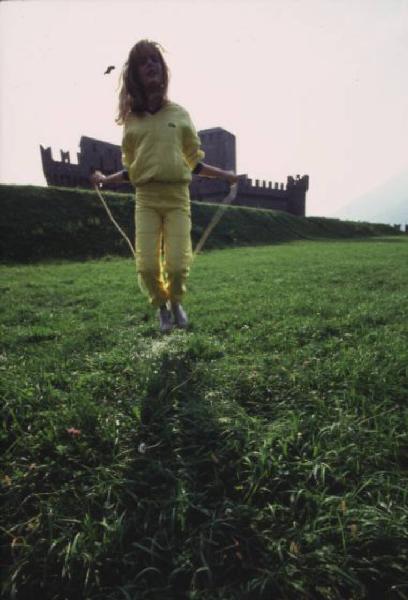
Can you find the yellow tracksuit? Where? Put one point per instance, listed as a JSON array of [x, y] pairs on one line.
[[160, 150]]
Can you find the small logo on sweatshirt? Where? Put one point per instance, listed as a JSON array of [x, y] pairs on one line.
[[171, 124]]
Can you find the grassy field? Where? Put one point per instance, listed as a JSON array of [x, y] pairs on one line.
[[263, 454]]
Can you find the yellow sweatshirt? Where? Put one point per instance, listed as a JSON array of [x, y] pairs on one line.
[[161, 147]]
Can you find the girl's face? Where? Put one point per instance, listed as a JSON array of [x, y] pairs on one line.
[[150, 71]]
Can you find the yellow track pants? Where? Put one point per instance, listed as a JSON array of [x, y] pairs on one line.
[[163, 240]]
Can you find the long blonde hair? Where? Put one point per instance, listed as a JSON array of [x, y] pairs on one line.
[[132, 97]]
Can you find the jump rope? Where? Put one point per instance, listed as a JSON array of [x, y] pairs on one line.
[[229, 198]]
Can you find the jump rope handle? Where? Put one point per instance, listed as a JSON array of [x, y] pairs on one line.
[[118, 227], [229, 198]]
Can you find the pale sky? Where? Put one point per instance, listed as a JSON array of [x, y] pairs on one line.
[[315, 87]]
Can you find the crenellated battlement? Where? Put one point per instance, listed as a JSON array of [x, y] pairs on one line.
[[256, 193], [260, 185], [94, 155]]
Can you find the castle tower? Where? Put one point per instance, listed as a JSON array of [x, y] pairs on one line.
[[297, 189], [219, 147]]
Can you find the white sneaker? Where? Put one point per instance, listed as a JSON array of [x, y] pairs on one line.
[[166, 319], [180, 316]]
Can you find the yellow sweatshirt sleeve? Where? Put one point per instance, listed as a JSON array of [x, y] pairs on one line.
[[127, 151], [192, 145]]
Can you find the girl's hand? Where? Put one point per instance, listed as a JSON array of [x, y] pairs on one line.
[[231, 177], [98, 178], [210, 171]]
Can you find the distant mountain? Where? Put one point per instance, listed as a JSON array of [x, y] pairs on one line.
[[387, 203]]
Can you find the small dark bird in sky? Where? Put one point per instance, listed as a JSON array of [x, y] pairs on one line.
[[109, 69]]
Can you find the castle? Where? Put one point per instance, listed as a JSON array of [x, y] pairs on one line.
[[219, 147]]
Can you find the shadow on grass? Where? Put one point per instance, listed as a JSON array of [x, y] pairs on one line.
[[184, 529]]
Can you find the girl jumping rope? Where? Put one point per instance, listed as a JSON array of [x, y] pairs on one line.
[[160, 151]]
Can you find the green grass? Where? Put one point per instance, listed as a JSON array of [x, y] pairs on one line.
[[276, 428]]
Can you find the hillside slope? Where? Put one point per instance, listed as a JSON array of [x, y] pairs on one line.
[[387, 203], [42, 223]]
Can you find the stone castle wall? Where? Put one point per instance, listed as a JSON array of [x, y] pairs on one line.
[[220, 150]]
